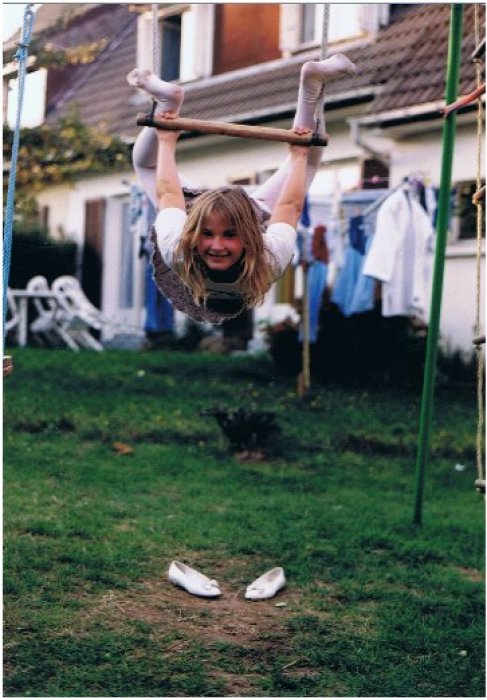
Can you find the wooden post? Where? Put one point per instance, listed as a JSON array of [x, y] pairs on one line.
[[265, 133]]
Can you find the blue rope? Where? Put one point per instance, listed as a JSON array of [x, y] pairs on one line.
[[21, 57]]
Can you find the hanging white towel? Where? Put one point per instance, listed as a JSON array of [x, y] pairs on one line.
[[400, 256]]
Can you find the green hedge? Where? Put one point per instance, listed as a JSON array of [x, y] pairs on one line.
[[35, 253]]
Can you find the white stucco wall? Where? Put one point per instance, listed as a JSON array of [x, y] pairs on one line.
[[421, 153], [213, 161], [458, 312]]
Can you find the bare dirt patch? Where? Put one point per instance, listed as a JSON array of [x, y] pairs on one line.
[[224, 626], [228, 619], [240, 637]]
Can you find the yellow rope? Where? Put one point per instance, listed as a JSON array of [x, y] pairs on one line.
[[306, 349], [479, 206]]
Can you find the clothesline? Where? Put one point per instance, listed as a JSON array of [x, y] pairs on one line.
[[375, 205]]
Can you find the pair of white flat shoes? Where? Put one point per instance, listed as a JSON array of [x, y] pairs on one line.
[[266, 586]]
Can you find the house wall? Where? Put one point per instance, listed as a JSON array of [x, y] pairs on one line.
[[67, 220], [212, 161], [458, 311]]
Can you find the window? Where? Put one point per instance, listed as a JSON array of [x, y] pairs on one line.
[[170, 42], [335, 177], [343, 22], [465, 210], [34, 99], [185, 39], [308, 23], [375, 175]]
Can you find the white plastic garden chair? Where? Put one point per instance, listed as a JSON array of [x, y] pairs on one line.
[[82, 314], [52, 323], [12, 312]]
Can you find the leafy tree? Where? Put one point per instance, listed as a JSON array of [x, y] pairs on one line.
[[59, 153]]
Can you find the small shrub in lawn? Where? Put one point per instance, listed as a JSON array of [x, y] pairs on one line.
[[246, 430], [34, 252]]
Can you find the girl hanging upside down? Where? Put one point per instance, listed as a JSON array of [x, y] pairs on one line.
[[218, 251]]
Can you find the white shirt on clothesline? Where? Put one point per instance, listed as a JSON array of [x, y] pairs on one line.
[[400, 256]]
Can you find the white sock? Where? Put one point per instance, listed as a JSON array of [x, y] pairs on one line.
[[314, 74], [169, 97]]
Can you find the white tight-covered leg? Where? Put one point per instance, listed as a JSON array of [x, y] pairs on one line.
[[169, 98], [314, 75]]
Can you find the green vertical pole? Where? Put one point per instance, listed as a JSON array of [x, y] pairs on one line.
[[449, 127]]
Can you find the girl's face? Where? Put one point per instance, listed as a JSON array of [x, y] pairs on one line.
[[219, 246]]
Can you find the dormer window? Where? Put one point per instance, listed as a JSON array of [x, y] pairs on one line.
[[302, 25], [343, 22], [309, 22], [170, 42], [34, 106], [184, 35]]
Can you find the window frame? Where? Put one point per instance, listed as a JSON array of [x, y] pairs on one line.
[[303, 44], [197, 31], [464, 210], [291, 42]]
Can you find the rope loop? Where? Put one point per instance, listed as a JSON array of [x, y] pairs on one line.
[[27, 25]]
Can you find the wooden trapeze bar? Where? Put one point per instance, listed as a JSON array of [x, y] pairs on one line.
[[244, 131]]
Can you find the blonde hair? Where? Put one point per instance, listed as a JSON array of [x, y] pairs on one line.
[[256, 275]]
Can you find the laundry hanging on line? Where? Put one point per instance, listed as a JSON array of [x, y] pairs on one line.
[[159, 310], [314, 253], [401, 255], [353, 293]]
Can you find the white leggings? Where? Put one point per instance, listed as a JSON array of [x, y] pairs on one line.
[[144, 158]]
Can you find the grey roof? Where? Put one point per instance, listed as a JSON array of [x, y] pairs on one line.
[[50, 18], [403, 66]]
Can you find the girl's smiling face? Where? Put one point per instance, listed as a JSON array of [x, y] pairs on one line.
[[219, 246]]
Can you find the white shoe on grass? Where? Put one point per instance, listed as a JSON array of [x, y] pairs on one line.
[[192, 581], [267, 585]]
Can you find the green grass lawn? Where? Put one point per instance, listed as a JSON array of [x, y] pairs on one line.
[[111, 471]]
